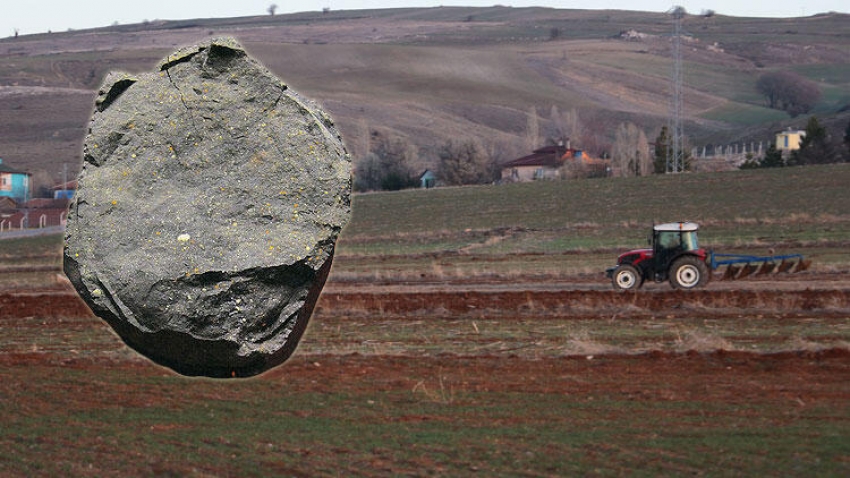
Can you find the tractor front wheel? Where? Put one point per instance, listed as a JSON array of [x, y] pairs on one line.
[[626, 277], [688, 272]]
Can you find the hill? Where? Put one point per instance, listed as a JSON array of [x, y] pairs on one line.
[[429, 74]]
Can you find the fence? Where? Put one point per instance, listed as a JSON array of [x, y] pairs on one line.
[[32, 222]]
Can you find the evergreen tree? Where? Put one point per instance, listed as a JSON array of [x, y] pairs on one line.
[[772, 159], [816, 147]]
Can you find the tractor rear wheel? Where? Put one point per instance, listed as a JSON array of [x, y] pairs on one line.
[[688, 272], [626, 277]]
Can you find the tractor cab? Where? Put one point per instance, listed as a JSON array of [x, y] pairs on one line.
[[671, 240]]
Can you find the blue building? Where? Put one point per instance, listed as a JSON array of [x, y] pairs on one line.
[[13, 183]]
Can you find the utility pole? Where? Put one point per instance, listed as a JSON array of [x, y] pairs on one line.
[[675, 155]]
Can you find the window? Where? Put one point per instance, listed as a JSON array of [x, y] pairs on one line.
[[689, 240]]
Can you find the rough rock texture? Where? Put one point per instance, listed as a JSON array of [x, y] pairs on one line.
[[208, 206]]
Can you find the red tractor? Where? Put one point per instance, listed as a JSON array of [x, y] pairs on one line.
[[675, 255]]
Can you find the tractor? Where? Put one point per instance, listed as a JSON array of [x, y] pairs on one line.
[[675, 255]]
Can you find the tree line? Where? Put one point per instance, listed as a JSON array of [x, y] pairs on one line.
[[392, 162], [817, 146]]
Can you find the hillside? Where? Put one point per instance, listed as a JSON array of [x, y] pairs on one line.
[[430, 74]]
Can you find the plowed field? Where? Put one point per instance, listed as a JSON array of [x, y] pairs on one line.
[[521, 379]]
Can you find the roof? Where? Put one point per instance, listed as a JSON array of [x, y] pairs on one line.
[[677, 226], [6, 169], [548, 156], [72, 184], [46, 203]]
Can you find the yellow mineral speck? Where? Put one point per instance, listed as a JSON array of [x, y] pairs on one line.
[[114, 202], [183, 238]]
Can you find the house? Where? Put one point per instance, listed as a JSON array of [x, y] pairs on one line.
[[427, 179], [13, 183], [65, 191], [543, 163], [789, 140], [554, 162]]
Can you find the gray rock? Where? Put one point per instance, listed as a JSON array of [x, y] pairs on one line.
[[209, 203]]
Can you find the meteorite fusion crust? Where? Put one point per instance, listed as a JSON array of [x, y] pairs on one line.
[[207, 211]]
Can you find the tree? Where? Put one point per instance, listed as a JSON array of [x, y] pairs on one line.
[[816, 147], [659, 164], [532, 130], [662, 151], [272, 9], [41, 184], [388, 167], [847, 138], [789, 92], [565, 126], [630, 152], [464, 161], [772, 159]]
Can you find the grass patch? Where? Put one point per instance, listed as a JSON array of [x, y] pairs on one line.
[[765, 196]]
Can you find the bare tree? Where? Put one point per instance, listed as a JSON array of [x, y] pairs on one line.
[[272, 9], [847, 138], [41, 183], [789, 92], [464, 161], [630, 153], [388, 166], [566, 125], [532, 130]]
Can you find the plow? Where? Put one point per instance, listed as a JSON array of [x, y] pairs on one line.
[[739, 266], [675, 255]]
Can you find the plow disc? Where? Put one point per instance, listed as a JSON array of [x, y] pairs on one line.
[[740, 266]]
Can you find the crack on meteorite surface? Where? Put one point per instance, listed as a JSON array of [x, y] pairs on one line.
[[183, 101], [274, 104]]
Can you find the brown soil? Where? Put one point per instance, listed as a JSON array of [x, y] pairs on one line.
[[498, 299], [804, 376]]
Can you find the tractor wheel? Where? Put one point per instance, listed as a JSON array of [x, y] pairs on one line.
[[626, 277], [688, 272]]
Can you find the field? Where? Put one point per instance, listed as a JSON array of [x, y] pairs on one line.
[[471, 332], [427, 75]]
